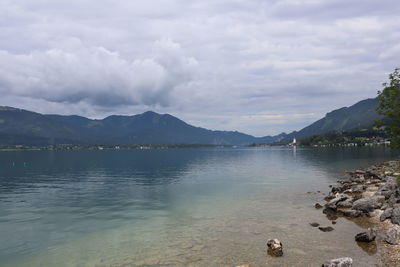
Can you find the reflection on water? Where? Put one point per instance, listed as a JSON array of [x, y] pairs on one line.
[[173, 207]]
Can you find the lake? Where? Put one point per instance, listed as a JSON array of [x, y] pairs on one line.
[[175, 207]]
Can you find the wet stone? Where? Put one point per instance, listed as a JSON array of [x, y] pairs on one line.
[[275, 247], [325, 228], [340, 262], [367, 236]]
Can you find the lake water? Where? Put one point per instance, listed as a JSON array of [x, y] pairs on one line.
[[175, 207]]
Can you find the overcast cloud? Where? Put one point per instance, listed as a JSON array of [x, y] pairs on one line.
[[257, 66]]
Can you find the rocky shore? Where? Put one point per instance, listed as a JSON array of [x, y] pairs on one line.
[[372, 194]]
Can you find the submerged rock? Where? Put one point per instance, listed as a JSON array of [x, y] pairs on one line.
[[340, 262], [392, 236], [367, 236], [275, 247], [318, 206], [331, 217], [325, 228]]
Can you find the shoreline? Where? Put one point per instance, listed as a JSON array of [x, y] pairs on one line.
[[370, 196]]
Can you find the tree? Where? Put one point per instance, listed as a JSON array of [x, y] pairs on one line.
[[389, 107]]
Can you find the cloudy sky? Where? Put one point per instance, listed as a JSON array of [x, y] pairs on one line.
[[257, 66]]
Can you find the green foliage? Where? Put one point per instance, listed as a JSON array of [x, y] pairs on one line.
[[398, 180], [389, 106]]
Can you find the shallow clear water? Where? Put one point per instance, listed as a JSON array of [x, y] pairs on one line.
[[175, 207]]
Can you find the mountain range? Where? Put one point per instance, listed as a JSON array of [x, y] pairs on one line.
[[18, 126], [22, 127]]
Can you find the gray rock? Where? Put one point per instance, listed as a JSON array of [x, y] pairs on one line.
[[395, 218], [386, 193], [379, 199], [336, 189], [390, 184], [333, 202], [394, 197], [340, 262], [275, 247], [386, 214], [392, 236], [314, 224], [348, 203], [366, 205], [358, 189], [367, 236]]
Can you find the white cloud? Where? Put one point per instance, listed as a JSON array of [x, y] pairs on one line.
[[209, 62], [96, 75]]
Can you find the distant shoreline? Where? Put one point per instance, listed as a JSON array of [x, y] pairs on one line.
[[110, 147]]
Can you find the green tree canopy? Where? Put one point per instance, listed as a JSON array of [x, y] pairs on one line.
[[389, 106]]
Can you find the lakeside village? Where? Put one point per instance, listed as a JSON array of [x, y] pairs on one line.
[[357, 138]]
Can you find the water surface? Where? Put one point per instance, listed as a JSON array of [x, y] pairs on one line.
[[174, 207]]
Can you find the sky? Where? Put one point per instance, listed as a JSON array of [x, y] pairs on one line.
[[257, 66]]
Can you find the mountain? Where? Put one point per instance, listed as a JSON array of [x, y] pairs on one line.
[[356, 117], [18, 126]]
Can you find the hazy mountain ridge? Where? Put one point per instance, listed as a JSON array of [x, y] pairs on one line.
[[361, 115], [18, 126]]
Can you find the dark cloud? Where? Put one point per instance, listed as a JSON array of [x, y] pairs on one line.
[[260, 67]]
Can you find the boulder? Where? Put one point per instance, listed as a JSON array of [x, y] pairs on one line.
[[386, 214], [366, 205], [275, 247], [393, 236], [348, 203], [333, 202], [328, 210], [336, 189], [395, 218], [340, 262], [367, 236], [314, 224]]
